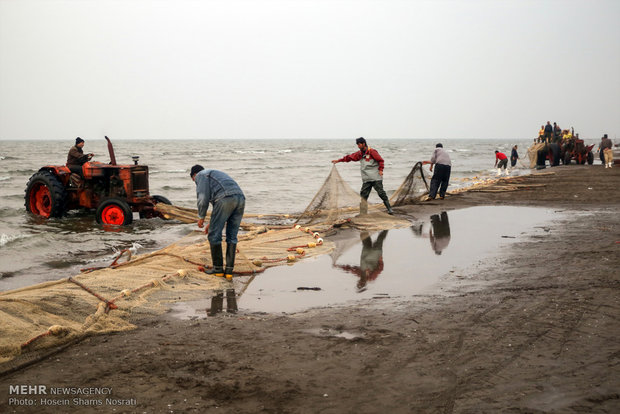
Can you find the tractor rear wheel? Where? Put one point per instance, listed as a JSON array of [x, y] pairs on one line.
[[162, 199], [114, 211], [45, 195], [567, 158], [150, 213]]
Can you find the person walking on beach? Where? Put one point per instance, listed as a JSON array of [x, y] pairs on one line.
[[441, 177], [371, 166], [514, 156], [76, 157], [606, 147], [219, 189], [501, 161]]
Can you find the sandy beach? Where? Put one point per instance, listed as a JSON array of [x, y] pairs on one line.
[[533, 331]]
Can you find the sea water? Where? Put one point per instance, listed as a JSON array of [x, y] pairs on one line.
[[277, 176]]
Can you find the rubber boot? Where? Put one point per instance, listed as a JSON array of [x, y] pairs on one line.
[[363, 206], [231, 301], [217, 302], [389, 208], [217, 259], [231, 251]]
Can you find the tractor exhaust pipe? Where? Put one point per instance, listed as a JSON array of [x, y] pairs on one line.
[[111, 151]]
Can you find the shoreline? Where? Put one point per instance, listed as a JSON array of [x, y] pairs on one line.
[[534, 331]]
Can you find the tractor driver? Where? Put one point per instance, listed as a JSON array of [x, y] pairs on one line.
[[76, 157]]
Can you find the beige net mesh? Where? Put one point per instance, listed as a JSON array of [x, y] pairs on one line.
[[532, 153], [103, 300], [412, 189]]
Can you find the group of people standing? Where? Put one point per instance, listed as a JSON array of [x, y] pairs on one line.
[[555, 134]]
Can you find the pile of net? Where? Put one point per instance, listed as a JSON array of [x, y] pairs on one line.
[[532, 153], [103, 300]]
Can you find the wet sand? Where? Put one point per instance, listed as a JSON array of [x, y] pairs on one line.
[[532, 330]]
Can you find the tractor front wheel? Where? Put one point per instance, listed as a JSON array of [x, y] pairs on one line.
[[590, 158], [114, 211], [45, 195]]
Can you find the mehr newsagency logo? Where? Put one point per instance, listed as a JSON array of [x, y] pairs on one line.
[[44, 395]]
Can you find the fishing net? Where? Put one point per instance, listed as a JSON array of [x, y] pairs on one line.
[[412, 189], [336, 200], [532, 153], [106, 299]]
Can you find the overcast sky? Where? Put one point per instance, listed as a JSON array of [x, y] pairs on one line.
[[307, 68]]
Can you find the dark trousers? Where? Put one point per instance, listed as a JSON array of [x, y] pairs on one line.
[[226, 212], [75, 169], [369, 185], [440, 180]]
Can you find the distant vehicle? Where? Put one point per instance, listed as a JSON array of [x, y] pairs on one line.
[[575, 149], [114, 191]]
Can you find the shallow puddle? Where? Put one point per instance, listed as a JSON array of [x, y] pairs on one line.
[[389, 263], [394, 263]]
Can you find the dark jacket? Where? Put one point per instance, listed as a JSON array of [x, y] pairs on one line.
[[76, 156], [212, 186]]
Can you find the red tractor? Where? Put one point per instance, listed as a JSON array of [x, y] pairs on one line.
[[115, 191], [575, 149]]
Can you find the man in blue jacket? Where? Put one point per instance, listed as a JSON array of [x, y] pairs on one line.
[[217, 188]]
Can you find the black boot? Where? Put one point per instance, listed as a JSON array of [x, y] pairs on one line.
[[231, 301], [389, 208], [231, 251], [217, 302], [217, 259]]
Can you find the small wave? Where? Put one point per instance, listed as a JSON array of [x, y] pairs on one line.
[[9, 238], [249, 152], [172, 187], [5, 178], [22, 171], [285, 151]]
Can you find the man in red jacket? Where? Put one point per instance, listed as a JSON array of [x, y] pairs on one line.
[[371, 166], [501, 161]]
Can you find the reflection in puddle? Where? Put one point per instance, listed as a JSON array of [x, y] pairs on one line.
[[200, 308], [439, 233], [394, 263], [371, 260]]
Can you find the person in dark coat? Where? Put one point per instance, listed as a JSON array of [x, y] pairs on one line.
[[76, 157], [514, 156]]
